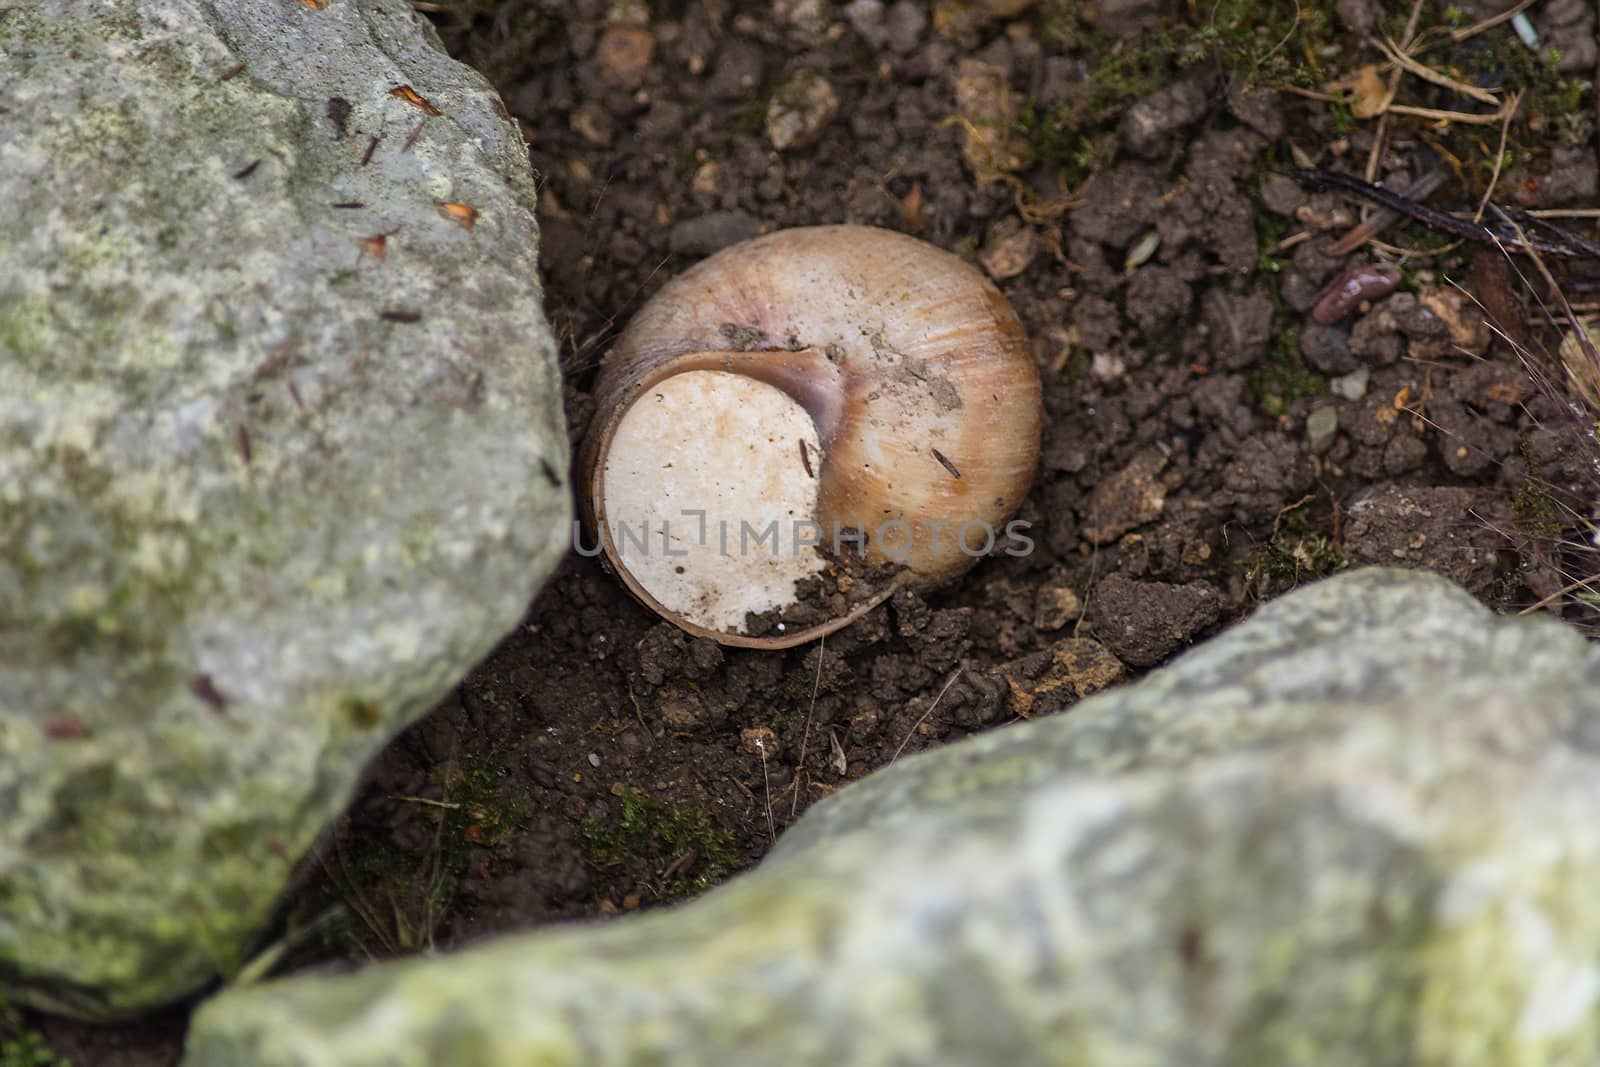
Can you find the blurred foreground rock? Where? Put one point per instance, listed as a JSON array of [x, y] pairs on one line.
[[1360, 828], [281, 454]]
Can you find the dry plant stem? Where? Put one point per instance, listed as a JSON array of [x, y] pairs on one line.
[[1585, 381], [805, 734], [425, 800], [1406, 254], [1468, 32], [1544, 271], [1499, 155], [1508, 237], [1381, 138], [924, 718], [1291, 241], [766, 785], [1438, 36], [1383, 217], [1405, 62], [1542, 602], [1447, 116], [1312, 94]]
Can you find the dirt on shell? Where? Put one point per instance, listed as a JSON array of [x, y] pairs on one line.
[[1122, 170]]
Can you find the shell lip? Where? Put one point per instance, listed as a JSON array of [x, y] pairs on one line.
[[810, 378], [770, 642]]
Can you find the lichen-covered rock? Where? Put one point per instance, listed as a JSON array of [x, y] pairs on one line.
[[1359, 828], [281, 453]]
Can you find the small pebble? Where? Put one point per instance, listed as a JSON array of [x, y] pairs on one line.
[[867, 17], [1009, 250], [594, 759], [1352, 386], [1106, 367], [1327, 349], [1054, 606], [1321, 427], [906, 22], [1282, 195], [800, 110], [808, 17]]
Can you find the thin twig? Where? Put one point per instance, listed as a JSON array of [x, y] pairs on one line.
[[1384, 217], [1291, 241], [1428, 74], [805, 734], [1563, 591], [1381, 138], [1457, 36], [1312, 94], [1445, 116], [766, 782], [925, 714], [1404, 254], [1499, 156], [425, 800]]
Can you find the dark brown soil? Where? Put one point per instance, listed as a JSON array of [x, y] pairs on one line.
[[600, 761]]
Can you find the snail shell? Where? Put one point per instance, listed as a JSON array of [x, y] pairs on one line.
[[837, 383]]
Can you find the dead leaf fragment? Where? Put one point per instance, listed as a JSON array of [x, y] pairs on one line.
[[1368, 95], [315, 5], [415, 99], [376, 246], [463, 215]]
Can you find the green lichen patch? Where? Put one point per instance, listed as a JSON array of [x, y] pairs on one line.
[[252, 529], [1356, 828]]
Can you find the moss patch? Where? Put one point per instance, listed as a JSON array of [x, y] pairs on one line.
[[682, 848], [22, 1046]]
